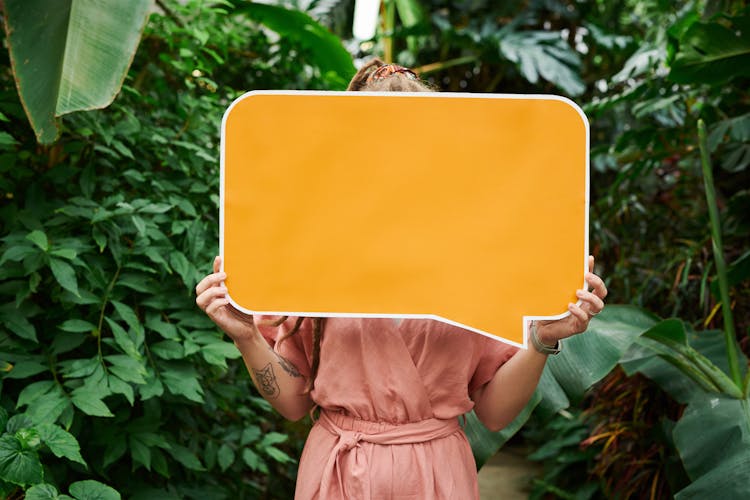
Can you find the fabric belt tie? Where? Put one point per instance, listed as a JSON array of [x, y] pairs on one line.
[[348, 463]]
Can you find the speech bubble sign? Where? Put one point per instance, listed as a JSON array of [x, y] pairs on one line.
[[471, 209]]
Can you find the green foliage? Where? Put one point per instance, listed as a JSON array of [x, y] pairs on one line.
[[107, 366], [713, 434], [325, 49], [713, 52], [487, 46], [110, 373], [567, 376], [565, 462], [80, 53], [645, 94]]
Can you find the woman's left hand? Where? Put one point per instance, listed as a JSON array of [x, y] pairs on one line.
[[592, 303]]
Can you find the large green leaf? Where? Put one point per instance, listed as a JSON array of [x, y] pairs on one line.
[[90, 404], [646, 361], [587, 358], [61, 442], [18, 465], [324, 47], [93, 490], [713, 439], [713, 435], [678, 367], [484, 443], [713, 52], [70, 55], [44, 491]]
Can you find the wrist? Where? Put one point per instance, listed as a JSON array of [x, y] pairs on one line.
[[541, 342], [543, 334], [250, 338]]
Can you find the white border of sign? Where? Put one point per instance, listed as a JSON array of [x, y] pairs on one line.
[[422, 95]]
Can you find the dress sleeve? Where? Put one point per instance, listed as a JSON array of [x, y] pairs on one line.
[[296, 349], [491, 354]]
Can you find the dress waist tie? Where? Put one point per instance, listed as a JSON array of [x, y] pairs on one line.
[[348, 466]]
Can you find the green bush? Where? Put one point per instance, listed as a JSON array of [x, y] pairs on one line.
[[110, 373]]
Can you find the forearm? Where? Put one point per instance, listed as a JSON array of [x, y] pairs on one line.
[[499, 401], [277, 380]]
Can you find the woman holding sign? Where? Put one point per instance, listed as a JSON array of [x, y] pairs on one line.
[[390, 392]]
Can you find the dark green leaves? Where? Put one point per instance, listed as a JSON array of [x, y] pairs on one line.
[[182, 379], [713, 52], [64, 274], [90, 404], [81, 490], [61, 442], [18, 463], [44, 492], [326, 49], [93, 490]]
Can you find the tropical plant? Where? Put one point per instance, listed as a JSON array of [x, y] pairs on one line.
[[650, 111], [80, 53], [103, 232], [108, 368]]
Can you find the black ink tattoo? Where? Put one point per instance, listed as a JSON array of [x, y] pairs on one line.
[[288, 367], [269, 386]]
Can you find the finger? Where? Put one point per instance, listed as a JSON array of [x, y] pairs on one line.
[[597, 284], [591, 263], [248, 319], [204, 299], [593, 303], [209, 281], [214, 306], [217, 264], [578, 313]]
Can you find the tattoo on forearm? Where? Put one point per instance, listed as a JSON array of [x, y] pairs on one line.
[[288, 367], [267, 382]]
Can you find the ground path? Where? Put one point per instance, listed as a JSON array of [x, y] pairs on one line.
[[507, 475]]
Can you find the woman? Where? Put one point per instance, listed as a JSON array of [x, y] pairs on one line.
[[390, 393]]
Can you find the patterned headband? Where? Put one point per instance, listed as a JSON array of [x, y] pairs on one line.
[[387, 70]]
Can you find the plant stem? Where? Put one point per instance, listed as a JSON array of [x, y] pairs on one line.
[[437, 66], [389, 25], [718, 249], [105, 300]]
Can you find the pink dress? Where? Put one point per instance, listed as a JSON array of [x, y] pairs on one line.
[[390, 397]]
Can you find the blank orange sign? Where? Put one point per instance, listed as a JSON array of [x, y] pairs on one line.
[[470, 209]]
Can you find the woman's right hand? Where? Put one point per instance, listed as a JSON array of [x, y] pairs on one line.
[[212, 299]]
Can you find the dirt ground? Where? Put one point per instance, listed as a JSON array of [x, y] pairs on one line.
[[507, 475]]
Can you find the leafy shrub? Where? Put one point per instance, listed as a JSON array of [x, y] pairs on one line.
[[110, 373]]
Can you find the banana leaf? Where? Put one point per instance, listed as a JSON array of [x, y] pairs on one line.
[[589, 357], [70, 55], [713, 439], [485, 443], [713, 435], [584, 360]]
